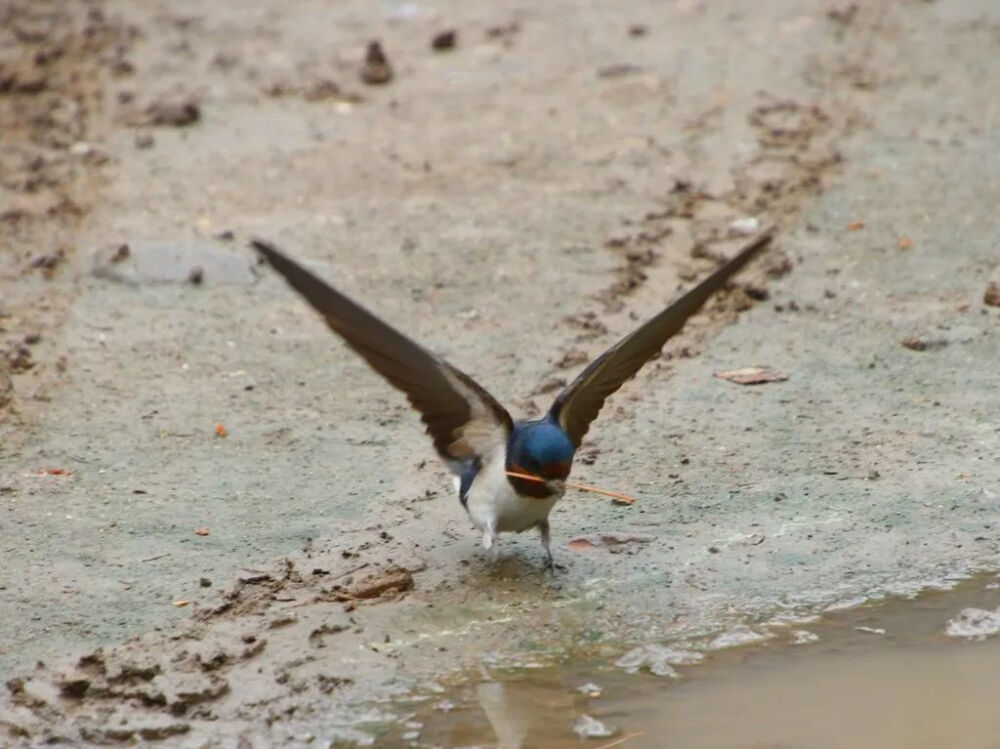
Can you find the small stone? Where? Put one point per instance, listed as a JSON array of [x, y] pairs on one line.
[[992, 295]]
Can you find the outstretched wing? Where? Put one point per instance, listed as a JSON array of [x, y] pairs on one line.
[[463, 419], [580, 402]]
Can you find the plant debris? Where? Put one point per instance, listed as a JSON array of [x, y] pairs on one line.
[[752, 375]]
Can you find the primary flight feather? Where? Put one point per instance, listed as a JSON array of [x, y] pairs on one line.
[[472, 432]]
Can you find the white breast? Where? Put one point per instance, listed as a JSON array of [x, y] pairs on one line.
[[495, 507]]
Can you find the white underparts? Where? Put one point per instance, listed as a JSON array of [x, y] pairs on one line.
[[495, 507]]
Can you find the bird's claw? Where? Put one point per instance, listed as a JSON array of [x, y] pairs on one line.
[[551, 567]]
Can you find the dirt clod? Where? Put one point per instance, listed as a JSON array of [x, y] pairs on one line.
[[6, 386], [756, 291], [143, 140], [74, 686], [503, 31], [383, 582], [121, 252], [991, 296], [323, 89], [618, 70], [444, 40], [572, 358], [48, 260], [174, 112], [376, 69]]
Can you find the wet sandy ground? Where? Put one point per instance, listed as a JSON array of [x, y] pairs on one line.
[[517, 202]]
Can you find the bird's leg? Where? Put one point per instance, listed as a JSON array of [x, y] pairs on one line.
[[550, 563], [489, 536]]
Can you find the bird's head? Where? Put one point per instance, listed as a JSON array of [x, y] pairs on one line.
[[542, 449]]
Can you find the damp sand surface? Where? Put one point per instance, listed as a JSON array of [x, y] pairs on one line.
[[884, 675]]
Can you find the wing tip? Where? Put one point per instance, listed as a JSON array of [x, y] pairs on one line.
[[267, 250]]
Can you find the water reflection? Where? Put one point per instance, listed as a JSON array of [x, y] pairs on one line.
[[910, 686]]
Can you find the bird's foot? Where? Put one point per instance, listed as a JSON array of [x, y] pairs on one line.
[[551, 567], [488, 538]]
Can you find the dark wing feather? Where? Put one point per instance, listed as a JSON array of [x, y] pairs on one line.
[[462, 418], [581, 401]]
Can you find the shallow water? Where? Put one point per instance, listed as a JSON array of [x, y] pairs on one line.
[[880, 675]]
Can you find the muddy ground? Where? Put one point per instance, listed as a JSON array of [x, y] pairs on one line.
[[517, 202]]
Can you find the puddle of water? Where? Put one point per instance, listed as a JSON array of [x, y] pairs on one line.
[[883, 675]]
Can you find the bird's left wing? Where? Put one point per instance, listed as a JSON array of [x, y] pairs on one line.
[[462, 418], [581, 401]]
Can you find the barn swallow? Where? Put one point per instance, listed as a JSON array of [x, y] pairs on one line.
[[476, 437]]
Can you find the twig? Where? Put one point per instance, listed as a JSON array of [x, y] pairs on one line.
[[153, 559], [622, 740], [626, 499]]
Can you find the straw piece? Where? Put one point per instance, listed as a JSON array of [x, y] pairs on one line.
[[622, 740], [623, 498]]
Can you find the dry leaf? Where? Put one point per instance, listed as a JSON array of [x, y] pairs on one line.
[[904, 243], [220, 430], [201, 531], [752, 375], [855, 225]]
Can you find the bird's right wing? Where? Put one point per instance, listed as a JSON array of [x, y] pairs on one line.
[[462, 418]]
